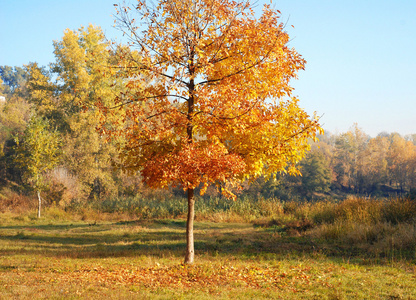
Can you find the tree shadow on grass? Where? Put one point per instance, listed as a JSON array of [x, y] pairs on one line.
[[89, 241], [160, 238], [45, 227], [165, 238]]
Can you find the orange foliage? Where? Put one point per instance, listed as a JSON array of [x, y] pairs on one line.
[[207, 96]]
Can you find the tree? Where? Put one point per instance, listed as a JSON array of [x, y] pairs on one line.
[[400, 157], [208, 99], [349, 150], [38, 152], [80, 57], [81, 60], [42, 94], [13, 78], [316, 174], [375, 171], [14, 115]]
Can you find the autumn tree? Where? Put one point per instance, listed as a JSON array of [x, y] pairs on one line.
[[349, 156], [42, 93], [208, 100], [81, 60], [375, 167], [66, 103], [37, 152], [400, 157]]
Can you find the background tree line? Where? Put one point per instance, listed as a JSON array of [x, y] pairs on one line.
[[350, 163], [49, 141]]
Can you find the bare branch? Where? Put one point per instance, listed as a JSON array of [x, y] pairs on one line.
[[146, 98]]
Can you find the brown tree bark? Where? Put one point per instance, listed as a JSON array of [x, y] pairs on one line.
[[190, 251]]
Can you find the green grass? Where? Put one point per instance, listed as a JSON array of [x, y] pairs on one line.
[[142, 259]]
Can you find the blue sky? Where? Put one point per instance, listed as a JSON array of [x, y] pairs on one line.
[[361, 54]]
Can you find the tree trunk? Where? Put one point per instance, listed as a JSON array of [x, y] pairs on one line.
[[39, 204], [190, 252]]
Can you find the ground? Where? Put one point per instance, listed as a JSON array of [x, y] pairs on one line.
[[143, 259]]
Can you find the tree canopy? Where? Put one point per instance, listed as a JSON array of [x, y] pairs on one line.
[[208, 96], [219, 106]]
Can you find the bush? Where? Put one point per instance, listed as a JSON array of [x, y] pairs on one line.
[[399, 211], [16, 202]]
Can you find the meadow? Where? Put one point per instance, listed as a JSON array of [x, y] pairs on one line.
[[248, 249]]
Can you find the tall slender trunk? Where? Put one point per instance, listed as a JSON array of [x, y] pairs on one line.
[[190, 250], [189, 256], [39, 204]]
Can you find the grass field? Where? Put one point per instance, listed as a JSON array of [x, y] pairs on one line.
[[44, 259]]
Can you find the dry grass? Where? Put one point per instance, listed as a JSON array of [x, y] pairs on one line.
[[43, 259], [375, 228]]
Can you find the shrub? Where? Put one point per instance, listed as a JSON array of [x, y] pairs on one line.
[[399, 210], [16, 202]]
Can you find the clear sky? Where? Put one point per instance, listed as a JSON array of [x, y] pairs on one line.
[[361, 54]]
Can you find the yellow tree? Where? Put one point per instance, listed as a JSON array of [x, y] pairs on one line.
[[41, 92], [374, 163], [38, 152], [80, 57], [349, 157], [400, 157], [208, 100]]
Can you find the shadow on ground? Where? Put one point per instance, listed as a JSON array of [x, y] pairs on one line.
[[164, 238]]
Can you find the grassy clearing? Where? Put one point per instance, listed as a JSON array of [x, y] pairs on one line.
[[142, 260], [248, 249]]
